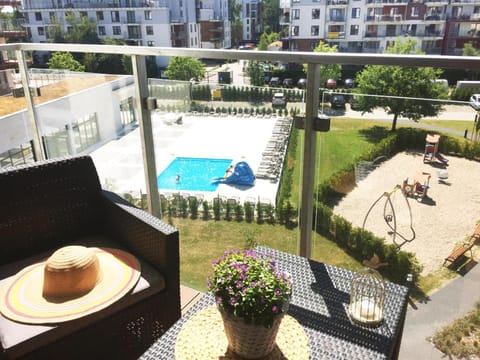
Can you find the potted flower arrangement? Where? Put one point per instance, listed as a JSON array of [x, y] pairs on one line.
[[252, 297]]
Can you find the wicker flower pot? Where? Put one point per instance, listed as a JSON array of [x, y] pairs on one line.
[[247, 340]]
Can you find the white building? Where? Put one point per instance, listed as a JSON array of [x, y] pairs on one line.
[[438, 26], [165, 23], [251, 19]]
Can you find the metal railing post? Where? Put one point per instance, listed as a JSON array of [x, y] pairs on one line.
[[146, 134], [38, 152], [309, 152]]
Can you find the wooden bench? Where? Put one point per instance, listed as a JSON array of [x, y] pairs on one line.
[[461, 250], [458, 252]]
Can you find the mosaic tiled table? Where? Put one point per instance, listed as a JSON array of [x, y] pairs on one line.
[[319, 303]]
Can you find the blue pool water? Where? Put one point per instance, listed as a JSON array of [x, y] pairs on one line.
[[196, 174]]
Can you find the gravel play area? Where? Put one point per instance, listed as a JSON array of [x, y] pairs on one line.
[[445, 217]]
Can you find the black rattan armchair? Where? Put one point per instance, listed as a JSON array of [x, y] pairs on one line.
[[49, 204]]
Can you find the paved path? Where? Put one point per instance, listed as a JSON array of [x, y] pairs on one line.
[[439, 309]]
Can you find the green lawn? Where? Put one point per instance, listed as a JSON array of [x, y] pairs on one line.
[[201, 242]]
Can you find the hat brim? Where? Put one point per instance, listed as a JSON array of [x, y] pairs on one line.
[[21, 298]]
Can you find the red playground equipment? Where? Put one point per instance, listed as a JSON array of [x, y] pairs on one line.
[[431, 150], [418, 186]]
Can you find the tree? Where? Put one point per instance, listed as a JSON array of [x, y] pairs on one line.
[[397, 84], [235, 16], [64, 60], [107, 63], [271, 13], [331, 71], [266, 39], [81, 31], [256, 74], [185, 68], [469, 50]]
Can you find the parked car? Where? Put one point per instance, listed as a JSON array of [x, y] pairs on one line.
[[349, 83], [337, 101], [287, 82], [279, 99], [475, 101], [331, 83], [302, 83], [274, 81]]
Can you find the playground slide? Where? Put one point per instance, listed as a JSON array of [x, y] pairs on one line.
[[441, 158]]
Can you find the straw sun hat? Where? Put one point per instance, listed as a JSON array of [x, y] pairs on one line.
[[73, 282]]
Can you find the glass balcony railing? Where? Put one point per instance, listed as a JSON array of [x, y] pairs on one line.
[[314, 190]]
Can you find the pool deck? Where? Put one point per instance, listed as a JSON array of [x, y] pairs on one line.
[[120, 163]]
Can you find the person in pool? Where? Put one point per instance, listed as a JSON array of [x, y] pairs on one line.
[[228, 172], [177, 178]]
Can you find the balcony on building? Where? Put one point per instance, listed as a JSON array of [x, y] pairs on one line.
[[284, 19], [338, 3], [12, 28], [384, 18], [86, 4]]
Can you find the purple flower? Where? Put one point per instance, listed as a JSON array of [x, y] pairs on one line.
[[275, 309], [233, 301], [278, 292]]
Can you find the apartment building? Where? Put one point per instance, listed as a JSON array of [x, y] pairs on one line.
[[370, 26], [165, 23], [251, 19]]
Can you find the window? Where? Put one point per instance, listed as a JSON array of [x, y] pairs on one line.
[[191, 28], [134, 32], [85, 132], [131, 16], [149, 30], [52, 16], [315, 13], [354, 29], [41, 31], [150, 43], [115, 16], [314, 44], [295, 30], [314, 30], [117, 30], [69, 29], [101, 31], [391, 30], [415, 11], [148, 15], [38, 16], [337, 15], [83, 14], [296, 14], [127, 111], [100, 16], [355, 13], [456, 11]]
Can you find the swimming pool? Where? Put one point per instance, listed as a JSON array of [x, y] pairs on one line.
[[195, 174]]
